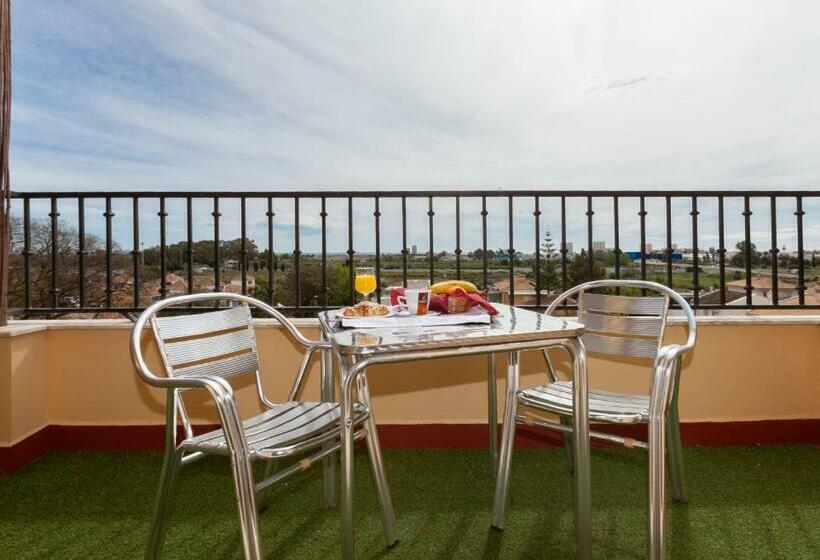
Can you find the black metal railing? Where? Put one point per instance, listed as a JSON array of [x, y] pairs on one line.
[[60, 266]]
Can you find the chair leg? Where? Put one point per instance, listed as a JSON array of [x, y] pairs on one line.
[[507, 439], [246, 504], [657, 488], [567, 421], [263, 498], [676, 457], [329, 462], [377, 466], [162, 507]]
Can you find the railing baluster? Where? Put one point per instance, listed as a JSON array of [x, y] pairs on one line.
[[377, 225], [537, 214], [108, 214], [801, 266], [243, 249], [404, 250], [511, 249], [217, 253], [747, 249], [642, 214], [564, 246], [430, 255], [54, 252], [189, 228], [458, 237], [80, 250], [721, 252], [695, 255], [135, 254], [163, 282], [27, 251], [590, 250], [484, 241], [323, 216], [669, 281], [270, 214], [350, 251], [617, 234], [774, 250], [297, 253]]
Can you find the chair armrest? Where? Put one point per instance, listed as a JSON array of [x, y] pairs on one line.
[[661, 382]]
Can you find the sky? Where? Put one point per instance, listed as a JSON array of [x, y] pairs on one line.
[[261, 95]]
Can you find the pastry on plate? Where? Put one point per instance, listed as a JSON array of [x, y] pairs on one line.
[[366, 309]]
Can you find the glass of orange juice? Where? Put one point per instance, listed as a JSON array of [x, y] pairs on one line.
[[365, 281]]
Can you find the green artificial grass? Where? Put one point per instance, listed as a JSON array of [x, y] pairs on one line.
[[761, 502]]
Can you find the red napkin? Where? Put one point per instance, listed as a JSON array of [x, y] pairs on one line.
[[476, 299]]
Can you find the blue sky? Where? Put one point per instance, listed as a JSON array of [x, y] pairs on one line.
[[266, 95]]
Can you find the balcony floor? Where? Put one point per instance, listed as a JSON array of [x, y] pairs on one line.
[[761, 502]]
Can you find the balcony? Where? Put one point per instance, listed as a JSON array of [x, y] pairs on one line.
[[750, 416]]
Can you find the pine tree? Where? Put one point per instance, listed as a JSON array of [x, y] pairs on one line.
[[550, 280]]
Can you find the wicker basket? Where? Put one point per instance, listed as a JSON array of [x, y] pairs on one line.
[[458, 304]]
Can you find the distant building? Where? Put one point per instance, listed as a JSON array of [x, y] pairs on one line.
[[599, 246], [762, 286], [414, 250], [657, 255], [524, 290]]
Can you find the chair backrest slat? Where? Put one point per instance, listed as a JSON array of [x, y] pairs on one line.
[[626, 305], [198, 324], [621, 346], [219, 343], [197, 349], [641, 325], [629, 326], [226, 367]]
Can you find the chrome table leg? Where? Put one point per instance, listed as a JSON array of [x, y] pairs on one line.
[[492, 412], [377, 464], [346, 422], [580, 417], [329, 462], [507, 440]]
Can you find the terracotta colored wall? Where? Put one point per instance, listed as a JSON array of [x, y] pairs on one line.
[[23, 386], [82, 375]]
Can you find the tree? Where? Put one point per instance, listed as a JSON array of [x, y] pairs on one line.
[[579, 269], [550, 279], [738, 260], [66, 273]]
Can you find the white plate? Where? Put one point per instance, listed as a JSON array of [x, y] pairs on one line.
[[429, 314], [390, 313]]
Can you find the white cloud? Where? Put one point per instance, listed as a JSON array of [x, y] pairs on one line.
[[262, 94]]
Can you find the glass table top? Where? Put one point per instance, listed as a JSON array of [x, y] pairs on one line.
[[510, 325]]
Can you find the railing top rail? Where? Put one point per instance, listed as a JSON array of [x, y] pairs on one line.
[[419, 193]]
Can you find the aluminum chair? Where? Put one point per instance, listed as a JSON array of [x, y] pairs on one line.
[[203, 351], [626, 326]]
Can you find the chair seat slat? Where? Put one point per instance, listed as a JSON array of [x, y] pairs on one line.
[[267, 432], [603, 405]]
